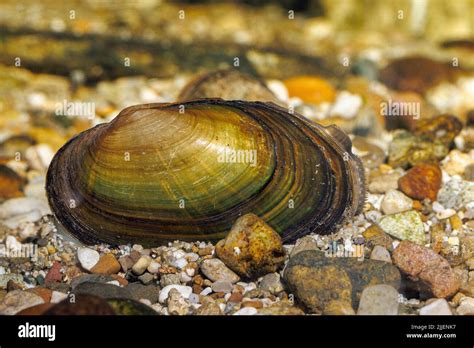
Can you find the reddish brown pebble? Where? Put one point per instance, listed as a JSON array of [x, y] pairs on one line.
[[36, 310], [423, 263], [54, 274], [44, 293], [107, 264], [252, 303], [422, 181], [197, 288], [236, 297], [122, 281]]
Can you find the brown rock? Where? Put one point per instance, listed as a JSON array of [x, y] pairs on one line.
[[280, 308], [122, 281], [11, 184], [36, 310], [107, 264], [443, 128], [416, 74], [235, 297], [253, 303], [54, 274], [209, 308], [360, 273], [374, 235], [252, 248], [423, 263], [317, 287], [43, 292], [339, 308], [422, 181]]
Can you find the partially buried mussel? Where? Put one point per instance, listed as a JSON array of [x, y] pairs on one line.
[[162, 172]]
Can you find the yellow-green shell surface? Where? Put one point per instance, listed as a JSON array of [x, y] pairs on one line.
[[162, 172]]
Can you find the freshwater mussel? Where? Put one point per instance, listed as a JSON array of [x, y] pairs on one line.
[[187, 171]]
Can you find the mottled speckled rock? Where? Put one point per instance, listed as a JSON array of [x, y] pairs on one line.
[[252, 248], [130, 307], [280, 308], [216, 270], [17, 300], [339, 307], [422, 181], [378, 300], [408, 150], [360, 273], [374, 235], [423, 263], [405, 226], [316, 287]]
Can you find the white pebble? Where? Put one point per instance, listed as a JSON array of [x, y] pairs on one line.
[[57, 296], [246, 311], [88, 258], [206, 291], [185, 292]]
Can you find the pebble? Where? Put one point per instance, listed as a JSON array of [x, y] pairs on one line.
[[457, 194], [456, 162], [384, 183], [405, 226], [209, 308], [170, 279], [141, 265], [423, 263], [247, 311], [185, 291], [39, 156], [177, 304], [305, 243], [438, 307], [5, 278], [381, 254], [17, 300], [338, 307], [374, 235], [260, 248], [23, 205], [57, 296], [179, 263], [206, 291], [107, 264], [395, 201], [466, 306], [153, 267], [280, 308], [88, 258], [146, 278], [378, 300], [222, 286], [316, 279], [216, 270], [422, 181], [272, 283]]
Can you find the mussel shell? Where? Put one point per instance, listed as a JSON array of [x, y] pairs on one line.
[[158, 173]]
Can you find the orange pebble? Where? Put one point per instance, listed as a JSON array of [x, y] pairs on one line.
[[310, 89]]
